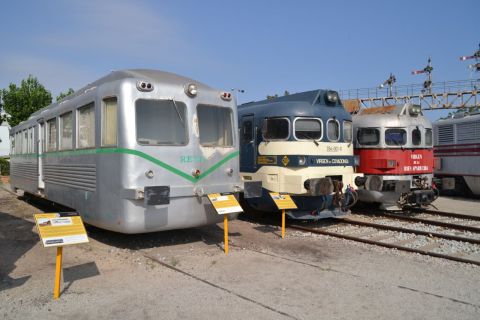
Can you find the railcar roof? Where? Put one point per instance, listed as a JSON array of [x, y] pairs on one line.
[[392, 109], [143, 74]]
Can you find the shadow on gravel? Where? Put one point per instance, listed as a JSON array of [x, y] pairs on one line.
[[82, 271], [16, 238]]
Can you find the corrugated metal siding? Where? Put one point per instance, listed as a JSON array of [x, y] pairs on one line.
[[445, 134], [24, 170], [82, 177]]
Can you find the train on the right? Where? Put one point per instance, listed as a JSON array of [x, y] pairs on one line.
[[457, 153]]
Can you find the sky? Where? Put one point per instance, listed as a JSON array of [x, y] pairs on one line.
[[262, 47]]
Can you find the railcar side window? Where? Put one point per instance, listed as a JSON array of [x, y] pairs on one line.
[[215, 125], [52, 134], [109, 122], [333, 130], [416, 137], [18, 144], [368, 136], [86, 126], [161, 122], [395, 137], [276, 129], [347, 131], [31, 145], [247, 131], [25, 142], [428, 137], [306, 129], [66, 133]]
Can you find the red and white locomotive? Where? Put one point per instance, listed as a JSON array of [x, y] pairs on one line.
[[395, 147]]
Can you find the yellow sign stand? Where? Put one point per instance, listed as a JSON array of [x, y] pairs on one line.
[[283, 201], [225, 204], [57, 230]]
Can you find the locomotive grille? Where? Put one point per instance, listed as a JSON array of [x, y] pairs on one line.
[[445, 134]]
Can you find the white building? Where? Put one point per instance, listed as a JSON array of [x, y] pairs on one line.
[[4, 139]]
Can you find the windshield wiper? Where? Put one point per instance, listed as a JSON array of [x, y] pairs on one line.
[[178, 113], [305, 135]]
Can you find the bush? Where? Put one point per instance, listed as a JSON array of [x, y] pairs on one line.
[[4, 167]]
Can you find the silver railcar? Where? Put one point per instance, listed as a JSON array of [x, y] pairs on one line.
[[135, 151], [457, 153]]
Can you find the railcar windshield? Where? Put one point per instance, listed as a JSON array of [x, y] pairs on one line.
[[368, 136], [161, 122], [333, 132], [306, 129], [347, 131], [428, 137], [215, 126], [395, 137], [276, 129]]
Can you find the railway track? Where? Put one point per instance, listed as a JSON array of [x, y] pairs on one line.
[[426, 236]]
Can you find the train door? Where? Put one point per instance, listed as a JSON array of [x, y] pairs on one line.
[[247, 145], [40, 145]]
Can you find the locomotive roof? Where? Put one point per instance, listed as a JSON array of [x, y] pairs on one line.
[[308, 103], [388, 116], [141, 74], [392, 109]]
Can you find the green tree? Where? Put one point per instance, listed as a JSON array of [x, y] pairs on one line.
[[20, 102], [65, 94]]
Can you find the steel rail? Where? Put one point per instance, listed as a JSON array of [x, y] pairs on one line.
[[445, 214], [408, 230], [386, 245]]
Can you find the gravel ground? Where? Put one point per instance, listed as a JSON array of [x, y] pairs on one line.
[[185, 274]]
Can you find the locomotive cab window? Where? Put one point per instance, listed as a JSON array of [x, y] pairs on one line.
[[276, 129], [109, 122], [52, 134], [86, 126], [160, 122], [428, 137], [333, 130], [347, 131], [247, 131], [368, 136], [66, 133], [308, 129], [215, 126], [416, 137], [395, 137]]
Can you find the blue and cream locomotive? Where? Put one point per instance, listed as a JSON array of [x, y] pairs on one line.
[[299, 144]]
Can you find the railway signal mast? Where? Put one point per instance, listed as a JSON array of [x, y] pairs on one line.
[[427, 84], [476, 66], [389, 82]]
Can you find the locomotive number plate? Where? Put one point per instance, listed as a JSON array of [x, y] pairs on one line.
[[157, 195]]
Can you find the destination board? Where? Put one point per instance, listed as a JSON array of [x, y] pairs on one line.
[[61, 228], [283, 201], [224, 204]]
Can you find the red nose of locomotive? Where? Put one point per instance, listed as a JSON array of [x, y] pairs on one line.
[[395, 161]]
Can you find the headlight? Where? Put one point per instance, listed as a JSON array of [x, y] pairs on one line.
[[331, 97], [414, 110], [302, 160], [191, 90]]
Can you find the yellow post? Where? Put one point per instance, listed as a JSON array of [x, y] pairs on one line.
[[283, 223], [225, 231], [58, 273]]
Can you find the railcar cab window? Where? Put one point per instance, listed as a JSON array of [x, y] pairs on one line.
[[395, 137], [86, 126], [161, 122], [307, 129], [416, 137], [275, 129], [333, 130], [428, 137], [52, 134], [215, 126], [347, 131], [368, 136]]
